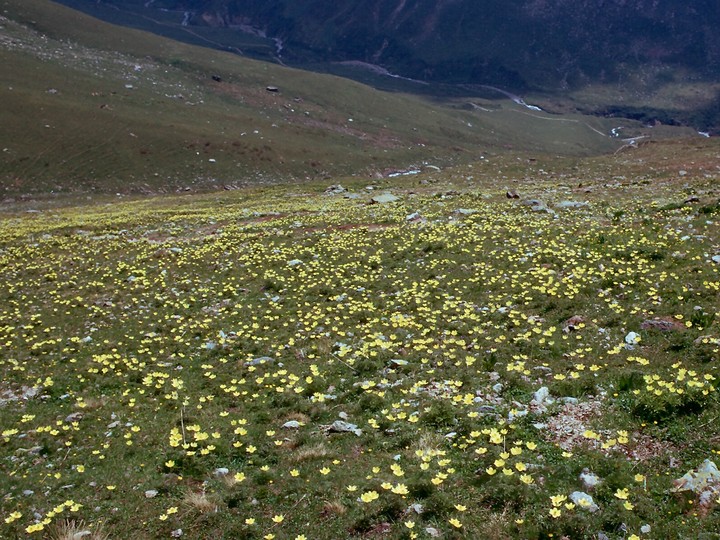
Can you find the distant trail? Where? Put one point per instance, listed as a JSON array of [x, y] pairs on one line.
[[562, 120]]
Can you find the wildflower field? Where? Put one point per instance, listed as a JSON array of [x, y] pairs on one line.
[[286, 363]]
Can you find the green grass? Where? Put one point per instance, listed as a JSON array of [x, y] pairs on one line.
[[132, 322]]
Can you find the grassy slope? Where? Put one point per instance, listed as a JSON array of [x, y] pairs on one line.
[[106, 137], [134, 320]]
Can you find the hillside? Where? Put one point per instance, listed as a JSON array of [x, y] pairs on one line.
[[89, 106], [294, 362], [654, 60]]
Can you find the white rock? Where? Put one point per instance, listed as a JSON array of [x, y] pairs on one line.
[[632, 338], [705, 477], [589, 480], [542, 396], [584, 501], [291, 424]]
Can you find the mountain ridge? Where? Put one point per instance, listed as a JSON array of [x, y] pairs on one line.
[[634, 51]]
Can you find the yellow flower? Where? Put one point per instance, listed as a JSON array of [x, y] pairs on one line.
[[278, 518], [526, 479], [14, 516], [555, 512], [369, 496], [622, 493], [250, 521], [294, 472], [455, 523], [628, 505], [409, 524], [400, 489]]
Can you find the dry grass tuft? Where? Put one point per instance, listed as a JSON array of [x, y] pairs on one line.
[[199, 502], [70, 529], [310, 453]]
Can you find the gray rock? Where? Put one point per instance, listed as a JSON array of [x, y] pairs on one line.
[[384, 198], [433, 532], [295, 262], [151, 493], [533, 202], [259, 361], [74, 417], [565, 205], [339, 426], [291, 424], [335, 189], [221, 471], [661, 325]]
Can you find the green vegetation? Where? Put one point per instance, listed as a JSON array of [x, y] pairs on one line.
[[284, 363], [289, 361]]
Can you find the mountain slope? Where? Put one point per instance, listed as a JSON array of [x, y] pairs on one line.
[[90, 106], [638, 51]]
